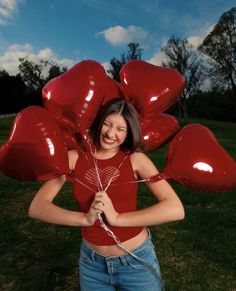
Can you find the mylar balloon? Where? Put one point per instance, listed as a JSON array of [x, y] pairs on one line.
[[70, 138], [158, 129], [196, 160], [112, 90], [35, 149], [55, 108], [150, 88], [77, 94]]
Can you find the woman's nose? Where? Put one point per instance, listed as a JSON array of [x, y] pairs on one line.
[[110, 132]]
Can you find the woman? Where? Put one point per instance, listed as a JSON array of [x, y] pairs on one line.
[[116, 250]]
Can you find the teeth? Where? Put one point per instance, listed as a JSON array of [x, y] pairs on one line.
[[107, 140]]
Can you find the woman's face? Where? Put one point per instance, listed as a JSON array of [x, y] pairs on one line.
[[114, 132]]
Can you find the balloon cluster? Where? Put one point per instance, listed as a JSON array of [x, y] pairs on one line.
[[38, 144]]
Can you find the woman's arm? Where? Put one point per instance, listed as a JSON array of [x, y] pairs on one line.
[[43, 208], [168, 207]]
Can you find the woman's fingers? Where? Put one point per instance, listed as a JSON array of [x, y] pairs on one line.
[[100, 199], [102, 194], [98, 205]]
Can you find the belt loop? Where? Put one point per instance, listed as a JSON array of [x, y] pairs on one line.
[[92, 255], [149, 233], [123, 261]]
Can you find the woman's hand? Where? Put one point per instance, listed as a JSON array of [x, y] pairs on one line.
[[92, 215], [103, 203]]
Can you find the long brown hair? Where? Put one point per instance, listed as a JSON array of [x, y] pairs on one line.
[[133, 141]]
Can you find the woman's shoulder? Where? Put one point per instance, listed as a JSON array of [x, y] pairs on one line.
[[138, 159], [142, 164], [138, 156]]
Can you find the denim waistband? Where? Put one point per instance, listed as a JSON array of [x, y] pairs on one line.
[[89, 252]]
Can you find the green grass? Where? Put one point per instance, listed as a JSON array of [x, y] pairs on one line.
[[198, 253]]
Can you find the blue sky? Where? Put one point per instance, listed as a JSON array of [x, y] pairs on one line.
[[69, 31]]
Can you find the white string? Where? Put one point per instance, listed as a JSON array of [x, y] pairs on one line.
[[86, 186], [139, 181], [114, 174], [111, 234], [100, 186]]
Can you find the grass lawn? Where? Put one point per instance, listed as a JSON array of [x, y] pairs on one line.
[[198, 253]]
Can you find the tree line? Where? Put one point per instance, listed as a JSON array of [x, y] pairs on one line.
[[209, 72]]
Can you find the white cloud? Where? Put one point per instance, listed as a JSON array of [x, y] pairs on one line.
[[198, 39], [45, 53], [9, 60], [106, 66], [156, 59], [7, 10], [195, 41], [158, 56], [119, 35]]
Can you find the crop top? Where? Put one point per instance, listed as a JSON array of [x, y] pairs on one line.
[[117, 171]]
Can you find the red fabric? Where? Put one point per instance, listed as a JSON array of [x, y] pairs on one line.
[[122, 193]]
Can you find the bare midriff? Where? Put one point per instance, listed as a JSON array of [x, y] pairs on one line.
[[114, 250]]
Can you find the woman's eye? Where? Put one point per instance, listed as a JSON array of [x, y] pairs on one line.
[[122, 129]]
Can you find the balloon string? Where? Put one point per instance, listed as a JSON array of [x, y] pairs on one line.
[[103, 225], [114, 174], [86, 186], [158, 177], [152, 179], [123, 248], [99, 182], [109, 184]]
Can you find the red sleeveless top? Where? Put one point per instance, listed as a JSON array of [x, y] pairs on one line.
[[117, 172]]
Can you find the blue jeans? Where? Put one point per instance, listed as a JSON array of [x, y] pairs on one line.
[[125, 272]]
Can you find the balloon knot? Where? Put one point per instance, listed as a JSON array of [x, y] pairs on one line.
[[157, 177]]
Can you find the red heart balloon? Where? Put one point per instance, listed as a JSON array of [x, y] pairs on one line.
[[35, 149], [112, 90], [75, 97], [55, 108], [150, 88], [70, 137], [196, 160], [158, 129]]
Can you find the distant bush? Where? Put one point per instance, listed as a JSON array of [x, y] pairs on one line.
[[15, 95], [213, 105]]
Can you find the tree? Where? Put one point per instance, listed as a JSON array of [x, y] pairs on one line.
[[55, 70], [134, 53], [34, 73], [180, 55], [31, 73], [220, 47], [13, 92], [4, 73], [214, 105]]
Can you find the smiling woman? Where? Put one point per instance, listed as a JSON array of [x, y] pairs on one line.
[[113, 132], [118, 252], [117, 116]]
